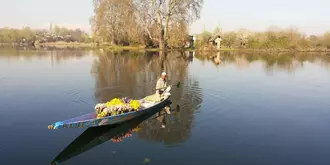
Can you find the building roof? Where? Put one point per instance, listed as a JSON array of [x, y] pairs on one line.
[[215, 37]]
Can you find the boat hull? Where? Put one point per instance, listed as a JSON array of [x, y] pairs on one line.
[[90, 120], [95, 136]]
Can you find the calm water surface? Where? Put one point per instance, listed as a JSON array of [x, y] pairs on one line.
[[231, 108]]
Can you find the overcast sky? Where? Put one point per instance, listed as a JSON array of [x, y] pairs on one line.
[[311, 17]]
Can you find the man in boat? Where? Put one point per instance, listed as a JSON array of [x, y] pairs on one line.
[[161, 86]]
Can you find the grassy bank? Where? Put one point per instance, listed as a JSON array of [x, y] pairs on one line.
[[263, 50], [131, 48], [109, 47], [8, 44], [213, 49], [66, 44], [105, 46]]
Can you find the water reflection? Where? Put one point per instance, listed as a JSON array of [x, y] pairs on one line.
[[290, 107], [55, 56], [288, 62], [121, 74], [272, 62], [179, 123]]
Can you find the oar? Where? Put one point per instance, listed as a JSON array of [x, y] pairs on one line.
[[177, 85]]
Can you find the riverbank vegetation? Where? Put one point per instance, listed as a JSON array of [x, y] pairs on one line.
[[288, 61], [273, 39], [28, 36], [155, 25]]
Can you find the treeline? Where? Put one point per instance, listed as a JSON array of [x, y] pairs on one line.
[[273, 38], [66, 34], [56, 33], [10, 35]]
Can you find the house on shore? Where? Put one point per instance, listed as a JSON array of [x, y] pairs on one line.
[[216, 41], [190, 41]]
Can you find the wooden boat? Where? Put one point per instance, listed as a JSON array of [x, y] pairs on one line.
[[90, 119], [95, 136]]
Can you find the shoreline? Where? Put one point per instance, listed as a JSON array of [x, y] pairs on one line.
[[142, 48], [274, 50]]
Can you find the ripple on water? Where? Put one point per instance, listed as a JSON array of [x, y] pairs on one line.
[[193, 92], [215, 105], [74, 95]]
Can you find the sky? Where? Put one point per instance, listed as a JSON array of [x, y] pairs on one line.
[[309, 16]]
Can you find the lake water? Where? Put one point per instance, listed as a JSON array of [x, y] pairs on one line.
[[231, 108]]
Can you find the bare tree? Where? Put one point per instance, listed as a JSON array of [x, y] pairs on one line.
[[163, 13], [120, 19], [114, 19]]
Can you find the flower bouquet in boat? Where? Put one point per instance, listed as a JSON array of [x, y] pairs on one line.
[[116, 107], [119, 106]]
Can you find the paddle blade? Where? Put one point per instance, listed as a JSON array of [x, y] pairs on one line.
[[168, 89]]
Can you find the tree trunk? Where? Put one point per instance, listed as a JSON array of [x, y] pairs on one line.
[[162, 41], [162, 56], [161, 44], [165, 31]]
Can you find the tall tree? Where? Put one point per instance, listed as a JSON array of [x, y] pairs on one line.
[[217, 30], [113, 19], [165, 12], [51, 28], [120, 20]]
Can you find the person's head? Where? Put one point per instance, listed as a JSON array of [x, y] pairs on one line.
[[164, 75]]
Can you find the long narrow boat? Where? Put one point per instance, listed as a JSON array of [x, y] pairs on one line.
[[95, 136], [90, 119]]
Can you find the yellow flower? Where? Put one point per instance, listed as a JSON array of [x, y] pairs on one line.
[[135, 104], [137, 129], [114, 102]]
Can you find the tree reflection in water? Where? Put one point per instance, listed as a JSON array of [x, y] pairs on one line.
[[134, 75], [54, 55], [272, 62]]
